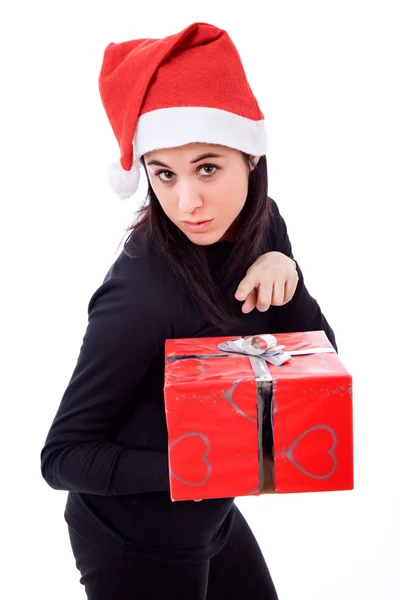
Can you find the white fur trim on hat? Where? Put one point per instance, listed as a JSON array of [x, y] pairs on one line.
[[177, 126], [124, 183]]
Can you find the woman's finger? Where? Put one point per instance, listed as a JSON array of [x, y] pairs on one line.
[[250, 302], [264, 296], [290, 288], [278, 294], [246, 286]]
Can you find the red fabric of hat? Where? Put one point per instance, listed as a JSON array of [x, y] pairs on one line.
[[184, 88]]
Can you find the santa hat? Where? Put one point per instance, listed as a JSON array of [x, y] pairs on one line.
[[187, 87]]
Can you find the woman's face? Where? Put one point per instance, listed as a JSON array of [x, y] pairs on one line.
[[202, 188]]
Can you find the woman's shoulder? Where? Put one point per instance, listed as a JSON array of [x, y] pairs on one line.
[[276, 237], [140, 275], [275, 217], [136, 260]]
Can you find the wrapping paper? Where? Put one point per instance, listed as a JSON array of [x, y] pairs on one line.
[[232, 433]]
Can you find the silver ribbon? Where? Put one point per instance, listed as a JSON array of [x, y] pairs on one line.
[[264, 348]]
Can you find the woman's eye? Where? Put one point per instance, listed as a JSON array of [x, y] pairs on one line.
[[168, 176], [165, 173], [208, 174]]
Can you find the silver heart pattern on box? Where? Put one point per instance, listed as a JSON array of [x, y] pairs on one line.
[[289, 452]]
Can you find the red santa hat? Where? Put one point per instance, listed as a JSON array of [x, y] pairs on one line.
[[187, 87]]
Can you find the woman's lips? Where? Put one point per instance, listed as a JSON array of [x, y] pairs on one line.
[[197, 226]]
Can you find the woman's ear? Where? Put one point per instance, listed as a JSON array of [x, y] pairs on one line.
[[255, 160]]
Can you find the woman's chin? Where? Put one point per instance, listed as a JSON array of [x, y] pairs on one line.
[[205, 239]]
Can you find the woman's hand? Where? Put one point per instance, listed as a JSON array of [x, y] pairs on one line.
[[271, 280]]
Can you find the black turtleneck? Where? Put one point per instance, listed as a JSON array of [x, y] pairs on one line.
[[107, 445]]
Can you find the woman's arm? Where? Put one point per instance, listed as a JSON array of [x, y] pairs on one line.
[[302, 312], [123, 337]]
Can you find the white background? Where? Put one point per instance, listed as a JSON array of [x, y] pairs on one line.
[[326, 75]]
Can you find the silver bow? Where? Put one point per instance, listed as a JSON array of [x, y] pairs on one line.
[[264, 348]]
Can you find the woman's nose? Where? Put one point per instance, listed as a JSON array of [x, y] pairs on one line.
[[189, 198]]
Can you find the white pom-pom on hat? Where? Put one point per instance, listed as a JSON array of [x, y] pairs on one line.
[[124, 183]]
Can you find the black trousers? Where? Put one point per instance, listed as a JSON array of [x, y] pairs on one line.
[[237, 572]]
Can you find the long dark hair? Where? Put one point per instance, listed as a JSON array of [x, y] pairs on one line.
[[188, 261]]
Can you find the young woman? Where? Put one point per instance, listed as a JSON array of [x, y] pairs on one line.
[[183, 108]]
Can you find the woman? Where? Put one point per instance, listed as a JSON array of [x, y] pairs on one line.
[[182, 107]]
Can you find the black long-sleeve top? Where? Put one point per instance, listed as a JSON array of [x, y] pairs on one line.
[[107, 445]]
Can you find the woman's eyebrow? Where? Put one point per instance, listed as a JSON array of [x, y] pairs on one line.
[[201, 157], [206, 155]]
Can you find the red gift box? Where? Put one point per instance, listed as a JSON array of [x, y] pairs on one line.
[[214, 405]]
